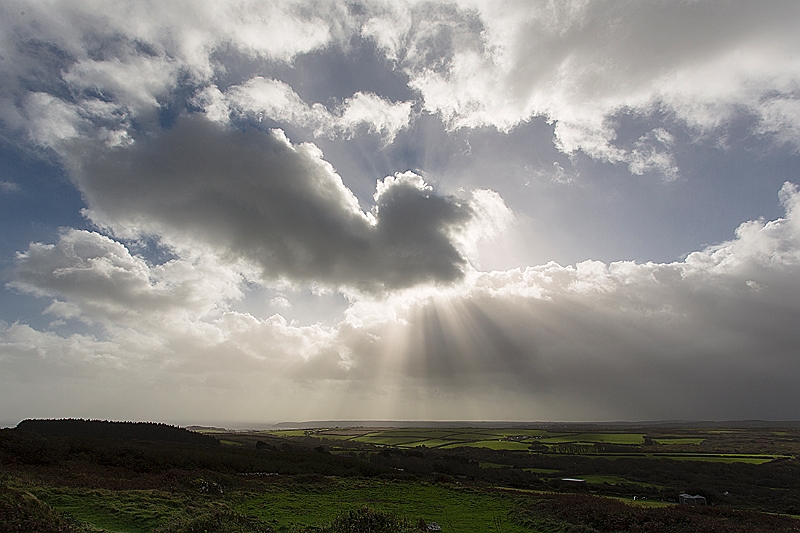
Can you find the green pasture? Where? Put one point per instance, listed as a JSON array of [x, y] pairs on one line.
[[334, 437], [493, 465], [289, 506], [130, 511], [422, 433], [591, 438], [526, 432], [388, 441], [466, 436], [428, 443], [287, 432], [679, 440], [492, 445], [455, 509]]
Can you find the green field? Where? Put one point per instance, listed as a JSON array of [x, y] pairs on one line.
[[679, 440], [131, 511], [491, 445], [482, 438], [590, 438], [287, 432], [389, 441], [466, 479], [421, 433], [512, 431], [461, 510], [493, 465], [291, 506], [429, 443]]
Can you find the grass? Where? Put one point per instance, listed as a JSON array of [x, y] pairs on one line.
[[132, 511], [679, 440], [464, 436], [389, 441], [429, 443], [289, 506], [492, 445], [493, 465], [333, 437], [455, 509], [590, 438], [286, 506], [420, 433], [287, 432], [512, 432]]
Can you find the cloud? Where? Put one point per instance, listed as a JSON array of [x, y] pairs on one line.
[[255, 196], [263, 98], [143, 108], [712, 335], [101, 281], [579, 64], [75, 70], [8, 187]]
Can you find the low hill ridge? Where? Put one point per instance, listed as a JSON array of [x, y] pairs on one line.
[[105, 429]]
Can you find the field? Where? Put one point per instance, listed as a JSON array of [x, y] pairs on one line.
[[457, 509], [495, 439], [678, 448], [512, 480]]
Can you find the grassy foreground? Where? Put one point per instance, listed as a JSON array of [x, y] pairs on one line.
[[301, 483]]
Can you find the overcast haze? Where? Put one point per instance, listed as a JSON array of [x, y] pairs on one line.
[[252, 211]]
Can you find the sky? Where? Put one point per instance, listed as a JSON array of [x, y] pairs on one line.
[[240, 212]]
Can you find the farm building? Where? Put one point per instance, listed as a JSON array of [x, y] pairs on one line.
[[687, 499]]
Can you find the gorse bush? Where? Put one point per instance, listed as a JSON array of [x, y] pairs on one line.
[[577, 513], [366, 520], [217, 521], [22, 512]]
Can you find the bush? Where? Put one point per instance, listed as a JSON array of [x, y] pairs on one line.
[[577, 513], [21, 512], [366, 520], [217, 521]]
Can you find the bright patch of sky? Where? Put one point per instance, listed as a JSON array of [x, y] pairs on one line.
[[260, 211]]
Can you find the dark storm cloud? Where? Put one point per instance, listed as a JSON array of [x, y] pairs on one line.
[[254, 195]]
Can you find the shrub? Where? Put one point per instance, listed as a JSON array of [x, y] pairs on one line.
[[21, 512], [217, 521], [366, 520]]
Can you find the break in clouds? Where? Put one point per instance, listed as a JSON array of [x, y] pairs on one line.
[[192, 132], [712, 334]]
